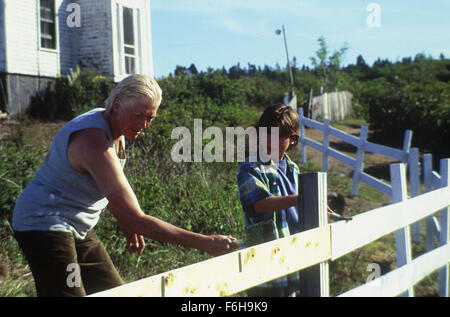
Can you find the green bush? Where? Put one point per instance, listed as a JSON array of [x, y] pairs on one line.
[[72, 95], [421, 107]]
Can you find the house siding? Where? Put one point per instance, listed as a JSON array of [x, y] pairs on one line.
[[27, 69], [93, 39]]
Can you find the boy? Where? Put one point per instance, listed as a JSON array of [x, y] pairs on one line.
[[269, 192]]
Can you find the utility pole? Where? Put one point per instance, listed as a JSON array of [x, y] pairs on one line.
[[291, 97], [278, 32]]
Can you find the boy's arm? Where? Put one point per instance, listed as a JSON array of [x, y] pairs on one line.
[[275, 203]]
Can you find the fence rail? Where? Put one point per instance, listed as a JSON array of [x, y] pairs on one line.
[[406, 155], [311, 250]]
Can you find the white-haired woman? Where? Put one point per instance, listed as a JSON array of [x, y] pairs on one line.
[[82, 174]]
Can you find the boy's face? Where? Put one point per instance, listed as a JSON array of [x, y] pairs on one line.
[[283, 144]]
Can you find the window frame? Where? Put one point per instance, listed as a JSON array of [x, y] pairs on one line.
[[53, 35]]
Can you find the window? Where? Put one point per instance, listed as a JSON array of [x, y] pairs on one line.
[[129, 41], [48, 24]]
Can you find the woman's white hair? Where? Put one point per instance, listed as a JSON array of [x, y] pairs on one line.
[[135, 86]]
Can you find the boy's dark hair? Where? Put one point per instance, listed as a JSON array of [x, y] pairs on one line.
[[283, 117]]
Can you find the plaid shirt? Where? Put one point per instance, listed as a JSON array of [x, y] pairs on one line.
[[257, 181]]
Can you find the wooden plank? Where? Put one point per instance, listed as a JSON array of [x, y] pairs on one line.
[[376, 183], [302, 135], [325, 145], [347, 138], [385, 151], [147, 287], [347, 160], [369, 226], [414, 184], [313, 124], [234, 272], [313, 214], [284, 256], [444, 236], [402, 236], [399, 280], [359, 160], [313, 144], [431, 223], [407, 144]]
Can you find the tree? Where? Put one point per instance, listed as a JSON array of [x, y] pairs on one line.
[[193, 70], [327, 66]]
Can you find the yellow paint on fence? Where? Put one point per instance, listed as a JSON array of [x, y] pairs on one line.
[[228, 274]]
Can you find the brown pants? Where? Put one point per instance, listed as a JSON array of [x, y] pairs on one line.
[[64, 266]]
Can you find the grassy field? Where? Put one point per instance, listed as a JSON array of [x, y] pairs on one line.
[[200, 197]]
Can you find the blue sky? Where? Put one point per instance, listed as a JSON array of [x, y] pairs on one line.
[[216, 33]]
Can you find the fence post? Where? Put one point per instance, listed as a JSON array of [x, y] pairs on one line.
[[314, 281], [358, 168], [406, 144], [402, 236], [325, 144], [444, 236], [431, 223], [414, 183], [302, 135]]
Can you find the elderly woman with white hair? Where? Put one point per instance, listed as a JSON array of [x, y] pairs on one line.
[[82, 174]]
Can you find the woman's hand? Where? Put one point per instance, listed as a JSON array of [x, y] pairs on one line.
[[135, 242], [219, 245]]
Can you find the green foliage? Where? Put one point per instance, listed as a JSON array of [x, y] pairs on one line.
[[71, 96], [20, 161]]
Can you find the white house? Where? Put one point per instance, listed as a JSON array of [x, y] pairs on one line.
[[41, 40]]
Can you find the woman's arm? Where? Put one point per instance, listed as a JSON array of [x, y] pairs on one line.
[[89, 151]]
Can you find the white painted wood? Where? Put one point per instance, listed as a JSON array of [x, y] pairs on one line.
[[350, 161], [402, 236], [399, 280], [406, 144], [372, 225], [302, 135], [444, 235], [414, 184], [385, 150], [313, 214], [431, 223], [376, 183], [325, 145], [237, 271], [347, 138], [359, 160], [313, 144], [313, 124]]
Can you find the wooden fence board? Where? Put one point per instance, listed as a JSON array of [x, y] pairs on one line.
[[146, 287], [347, 138], [372, 225], [399, 280], [234, 272], [376, 183], [347, 160]]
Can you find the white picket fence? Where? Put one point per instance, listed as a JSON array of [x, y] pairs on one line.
[[398, 217], [311, 250], [406, 155]]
